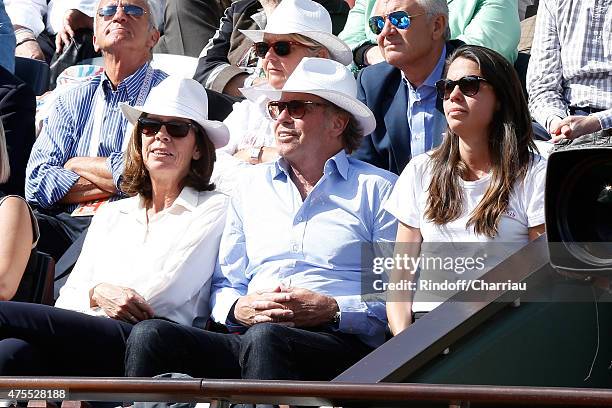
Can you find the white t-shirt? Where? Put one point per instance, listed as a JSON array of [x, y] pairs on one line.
[[408, 202], [525, 208]]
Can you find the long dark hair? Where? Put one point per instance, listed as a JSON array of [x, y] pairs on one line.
[[511, 148], [136, 179]]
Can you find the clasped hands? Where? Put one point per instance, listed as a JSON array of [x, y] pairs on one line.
[[289, 306], [572, 127], [120, 303]]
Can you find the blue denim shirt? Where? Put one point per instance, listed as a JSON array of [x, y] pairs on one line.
[[7, 41], [272, 236]]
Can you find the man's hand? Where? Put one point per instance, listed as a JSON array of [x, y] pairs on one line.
[[73, 21], [263, 307], [309, 308], [120, 303], [30, 49], [572, 127]]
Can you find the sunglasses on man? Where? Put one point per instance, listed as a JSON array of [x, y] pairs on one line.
[[296, 109], [129, 9], [399, 19], [281, 48], [469, 85], [150, 127]]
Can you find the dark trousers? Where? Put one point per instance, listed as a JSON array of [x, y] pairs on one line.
[[44, 340], [189, 24], [58, 231], [266, 351]]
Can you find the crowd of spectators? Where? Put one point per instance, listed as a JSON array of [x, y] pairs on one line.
[[216, 225]]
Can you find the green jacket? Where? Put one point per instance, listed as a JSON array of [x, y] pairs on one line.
[[490, 23]]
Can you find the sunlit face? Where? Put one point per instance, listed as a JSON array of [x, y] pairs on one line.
[[401, 47], [168, 157], [469, 115], [277, 68], [123, 31], [300, 140]]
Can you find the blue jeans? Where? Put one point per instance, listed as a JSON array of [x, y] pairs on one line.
[[7, 41]]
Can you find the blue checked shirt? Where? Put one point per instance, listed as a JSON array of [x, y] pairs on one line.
[[571, 60], [67, 131], [271, 236], [426, 122]]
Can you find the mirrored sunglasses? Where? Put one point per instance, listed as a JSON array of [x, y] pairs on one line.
[[296, 109], [469, 85], [400, 19], [129, 9], [150, 127], [281, 48]]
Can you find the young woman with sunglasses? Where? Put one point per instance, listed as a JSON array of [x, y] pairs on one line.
[[148, 256], [296, 29], [484, 183]]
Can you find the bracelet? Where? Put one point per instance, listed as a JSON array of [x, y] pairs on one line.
[[23, 33], [24, 41]]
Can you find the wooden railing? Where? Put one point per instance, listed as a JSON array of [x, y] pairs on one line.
[[221, 392]]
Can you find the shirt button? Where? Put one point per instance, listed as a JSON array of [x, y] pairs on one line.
[[299, 219], [295, 248], [418, 103]]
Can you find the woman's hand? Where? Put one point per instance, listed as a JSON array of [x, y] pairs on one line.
[[120, 303]]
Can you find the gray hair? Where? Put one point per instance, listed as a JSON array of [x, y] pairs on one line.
[[155, 11], [5, 169], [435, 8]]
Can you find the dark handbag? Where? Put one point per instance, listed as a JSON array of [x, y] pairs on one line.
[[80, 48]]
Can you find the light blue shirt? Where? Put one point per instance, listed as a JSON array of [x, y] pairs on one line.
[[426, 123], [7, 41], [272, 236]]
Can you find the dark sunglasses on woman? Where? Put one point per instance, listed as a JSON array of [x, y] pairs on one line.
[[129, 9], [469, 85], [400, 19], [281, 48], [150, 127], [296, 109]]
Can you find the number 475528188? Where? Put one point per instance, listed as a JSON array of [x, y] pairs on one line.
[[24, 394]]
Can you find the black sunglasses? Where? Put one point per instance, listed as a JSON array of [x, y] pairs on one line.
[[296, 109], [399, 19], [150, 127], [469, 85], [281, 48], [129, 9]]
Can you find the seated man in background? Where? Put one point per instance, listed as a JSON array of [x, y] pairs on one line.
[[44, 27], [568, 79], [228, 61], [490, 23], [78, 156], [401, 91], [290, 269]]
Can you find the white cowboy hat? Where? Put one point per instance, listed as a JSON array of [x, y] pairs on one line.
[[183, 98], [331, 81], [309, 19]]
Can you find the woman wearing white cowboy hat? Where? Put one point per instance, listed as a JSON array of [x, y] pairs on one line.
[[296, 29], [148, 256]]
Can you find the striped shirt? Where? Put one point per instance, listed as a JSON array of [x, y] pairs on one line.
[[68, 130], [571, 59]]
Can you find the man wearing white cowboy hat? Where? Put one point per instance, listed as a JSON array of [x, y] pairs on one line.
[[78, 156], [289, 276], [296, 29]]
